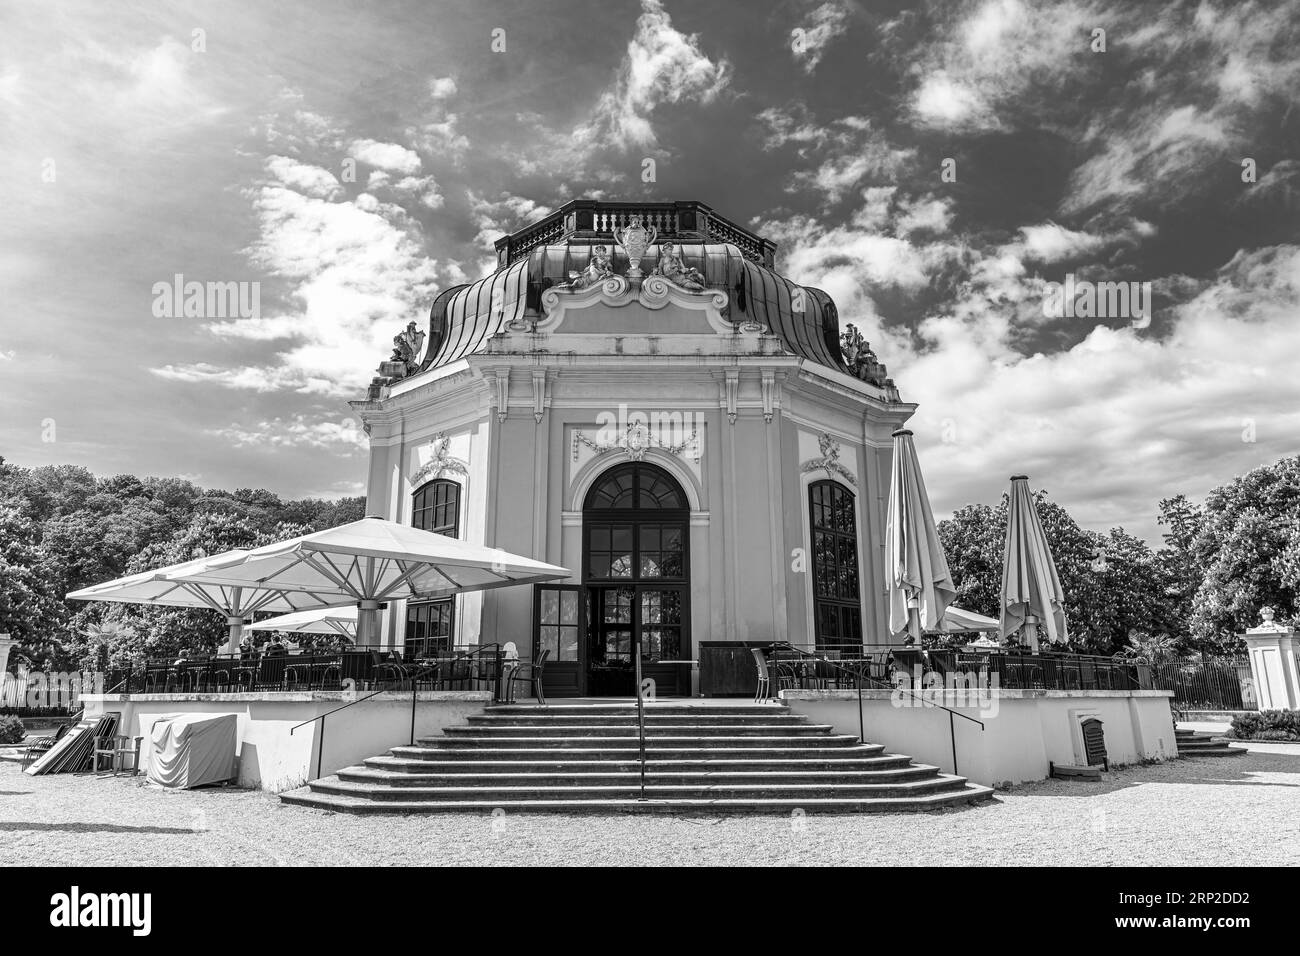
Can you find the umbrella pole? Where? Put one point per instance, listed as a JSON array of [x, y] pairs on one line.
[[236, 633], [367, 624], [1031, 631], [914, 621]]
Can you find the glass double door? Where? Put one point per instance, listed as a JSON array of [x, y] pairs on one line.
[[631, 619]]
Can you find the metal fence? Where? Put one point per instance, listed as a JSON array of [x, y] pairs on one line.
[[40, 694], [1223, 683], [463, 668], [879, 664]]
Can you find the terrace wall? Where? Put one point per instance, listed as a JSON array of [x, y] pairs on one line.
[[269, 756], [1024, 730]]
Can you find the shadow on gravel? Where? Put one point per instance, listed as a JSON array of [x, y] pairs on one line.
[[14, 793], [1224, 771], [91, 828]]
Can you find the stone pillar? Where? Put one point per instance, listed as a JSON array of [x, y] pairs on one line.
[[1274, 663], [6, 643]]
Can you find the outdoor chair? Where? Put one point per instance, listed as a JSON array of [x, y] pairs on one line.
[[42, 745], [787, 674], [118, 749], [530, 673], [271, 671]]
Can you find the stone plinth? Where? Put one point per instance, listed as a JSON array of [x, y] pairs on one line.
[[1275, 663]]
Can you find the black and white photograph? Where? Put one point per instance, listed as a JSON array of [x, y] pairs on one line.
[[450, 434]]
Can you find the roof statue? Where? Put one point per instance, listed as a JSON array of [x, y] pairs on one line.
[[673, 268], [598, 270], [862, 362], [407, 345], [636, 239]]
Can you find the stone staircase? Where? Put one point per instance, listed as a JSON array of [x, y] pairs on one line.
[[582, 758], [1196, 743]]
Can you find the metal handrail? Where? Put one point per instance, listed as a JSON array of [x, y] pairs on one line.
[[320, 750], [861, 675], [640, 714]]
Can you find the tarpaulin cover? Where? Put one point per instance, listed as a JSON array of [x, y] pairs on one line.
[[190, 750]]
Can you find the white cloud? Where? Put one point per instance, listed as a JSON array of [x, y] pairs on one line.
[[995, 54], [356, 272], [951, 104], [442, 87], [1049, 242], [662, 65], [822, 25], [845, 152], [1121, 419], [496, 218], [388, 156], [312, 180], [298, 431]]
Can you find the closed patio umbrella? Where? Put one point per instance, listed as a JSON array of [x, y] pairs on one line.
[[920, 586], [957, 620], [325, 620], [1031, 590], [375, 560], [180, 585]]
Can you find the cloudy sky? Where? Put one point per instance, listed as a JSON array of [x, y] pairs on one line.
[[355, 158]]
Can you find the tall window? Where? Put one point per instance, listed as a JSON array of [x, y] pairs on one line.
[[837, 610], [436, 507], [430, 625]]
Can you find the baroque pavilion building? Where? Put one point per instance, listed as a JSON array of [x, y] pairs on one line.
[[637, 395]]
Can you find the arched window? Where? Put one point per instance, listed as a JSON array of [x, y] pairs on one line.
[[430, 625], [837, 608], [435, 507], [636, 519]]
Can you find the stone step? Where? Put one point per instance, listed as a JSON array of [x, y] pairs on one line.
[[699, 716], [495, 792], [553, 762], [657, 745], [784, 806], [626, 730], [528, 749], [629, 708], [604, 775]]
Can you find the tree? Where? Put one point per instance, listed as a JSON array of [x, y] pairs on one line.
[[30, 607], [1113, 584], [1247, 545]]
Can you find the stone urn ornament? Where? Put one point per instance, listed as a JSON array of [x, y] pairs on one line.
[[636, 239]]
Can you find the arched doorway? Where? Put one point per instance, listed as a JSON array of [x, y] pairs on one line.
[[636, 574]]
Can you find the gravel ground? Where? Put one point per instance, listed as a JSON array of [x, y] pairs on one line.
[[1193, 811]]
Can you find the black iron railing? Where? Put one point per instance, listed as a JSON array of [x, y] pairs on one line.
[[1224, 683], [475, 667], [806, 665], [600, 219]]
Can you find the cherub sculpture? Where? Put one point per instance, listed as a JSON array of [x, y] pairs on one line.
[[598, 270]]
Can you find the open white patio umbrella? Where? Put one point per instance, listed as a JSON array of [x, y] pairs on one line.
[[1031, 590], [375, 560], [325, 620], [920, 586], [181, 585]]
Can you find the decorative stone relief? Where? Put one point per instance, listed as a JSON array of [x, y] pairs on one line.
[[829, 460], [439, 462], [636, 439]]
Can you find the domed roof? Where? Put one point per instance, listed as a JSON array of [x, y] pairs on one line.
[[465, 317]]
